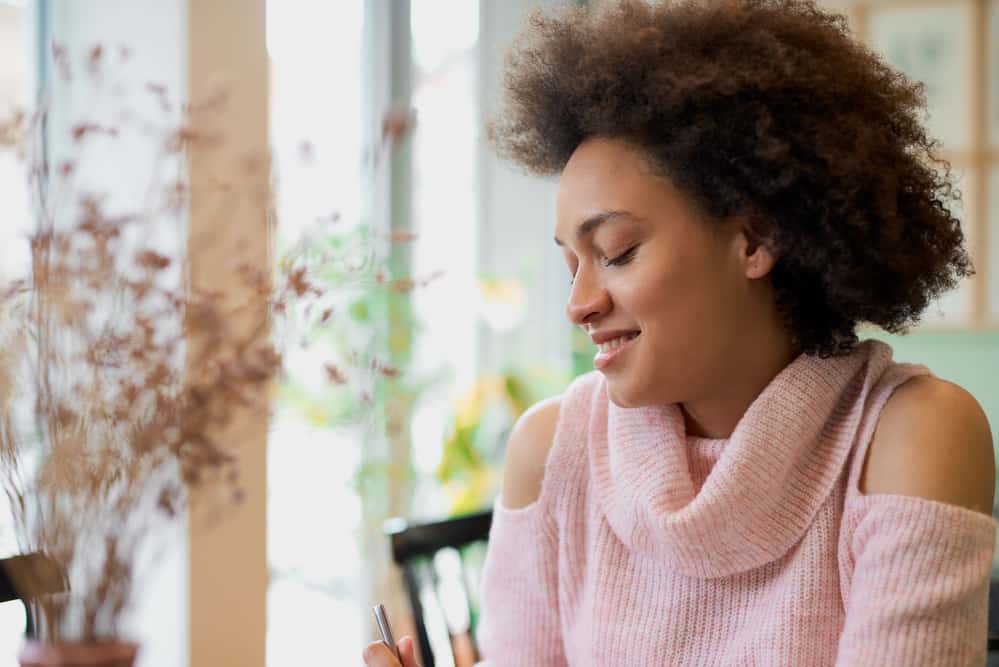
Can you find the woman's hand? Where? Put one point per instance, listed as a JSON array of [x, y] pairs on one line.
[[377, 654]]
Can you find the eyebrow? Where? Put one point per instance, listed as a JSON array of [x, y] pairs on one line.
[[594, 221]]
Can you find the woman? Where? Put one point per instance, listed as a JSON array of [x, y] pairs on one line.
[[739, 481]]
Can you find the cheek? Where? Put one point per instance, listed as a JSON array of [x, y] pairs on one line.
[[643, 298], [661, 287], [681, 303]]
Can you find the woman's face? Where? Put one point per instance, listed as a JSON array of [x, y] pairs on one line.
[[644, 260]]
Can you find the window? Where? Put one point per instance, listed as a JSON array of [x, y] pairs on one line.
[[312, 511], [445, 206], [318, 572]]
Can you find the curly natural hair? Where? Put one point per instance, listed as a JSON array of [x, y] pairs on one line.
[[764, 109]]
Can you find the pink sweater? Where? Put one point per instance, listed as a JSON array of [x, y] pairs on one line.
[[648, 547]]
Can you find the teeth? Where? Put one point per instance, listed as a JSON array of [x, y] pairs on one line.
[[616, 343]]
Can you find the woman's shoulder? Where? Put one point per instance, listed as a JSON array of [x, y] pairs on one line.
[[533, 436], [527, 450], [932, 440]]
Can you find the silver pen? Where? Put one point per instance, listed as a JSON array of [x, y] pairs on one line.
[[383, 627]]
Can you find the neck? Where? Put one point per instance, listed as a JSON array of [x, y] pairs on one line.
[[737, 383]]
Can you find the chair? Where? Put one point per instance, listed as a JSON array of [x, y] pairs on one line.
[[441, 562], [44, 576]]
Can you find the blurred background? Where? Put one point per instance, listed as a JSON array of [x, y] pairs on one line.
[[487, 335]]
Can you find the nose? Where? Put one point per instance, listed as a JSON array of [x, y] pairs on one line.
[[588, 300]]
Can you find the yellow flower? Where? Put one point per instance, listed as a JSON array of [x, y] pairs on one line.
[[473, 493], [315, 415]]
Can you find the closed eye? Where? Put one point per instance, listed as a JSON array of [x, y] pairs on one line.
[[623, 258]]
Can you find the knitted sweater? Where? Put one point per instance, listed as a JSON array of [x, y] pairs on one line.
[[650, 547]]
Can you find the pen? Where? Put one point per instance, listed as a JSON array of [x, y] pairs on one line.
[[386, 630]]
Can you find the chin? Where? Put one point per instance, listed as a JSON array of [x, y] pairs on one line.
[[625, 396], [621, 397]]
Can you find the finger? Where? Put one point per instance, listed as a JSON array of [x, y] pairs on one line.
[[377, 654], [407, 651]]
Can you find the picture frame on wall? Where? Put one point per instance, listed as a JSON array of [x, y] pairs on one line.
[[992, 77], [931, 43], [938, 43], [990, 263]]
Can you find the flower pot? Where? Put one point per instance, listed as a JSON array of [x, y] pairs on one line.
[[84, 654]]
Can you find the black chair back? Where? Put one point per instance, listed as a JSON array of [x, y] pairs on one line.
[[441, 562]]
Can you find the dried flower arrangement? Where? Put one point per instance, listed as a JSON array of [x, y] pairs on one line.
[[117, 375]]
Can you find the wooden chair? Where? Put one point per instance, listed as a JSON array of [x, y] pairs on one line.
[[441, 563], [45, 578]]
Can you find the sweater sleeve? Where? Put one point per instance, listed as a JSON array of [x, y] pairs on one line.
[[519, 624], [918, 592]]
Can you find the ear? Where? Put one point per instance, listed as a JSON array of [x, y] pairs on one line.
[[758, 254]]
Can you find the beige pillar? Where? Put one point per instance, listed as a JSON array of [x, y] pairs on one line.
[[228, 559]]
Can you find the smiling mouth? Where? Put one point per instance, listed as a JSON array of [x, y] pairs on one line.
[[612, 345], [605, 356]]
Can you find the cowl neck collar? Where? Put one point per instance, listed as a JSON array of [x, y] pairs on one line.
[[774, 472]]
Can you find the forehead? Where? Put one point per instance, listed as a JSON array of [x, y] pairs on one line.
[[607, 175], [598, 160]]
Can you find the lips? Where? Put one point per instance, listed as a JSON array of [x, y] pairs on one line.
[[604, 359], [599, 337], [620, 340]]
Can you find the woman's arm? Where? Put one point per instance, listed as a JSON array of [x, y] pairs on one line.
[[922, 535], [519, 623]]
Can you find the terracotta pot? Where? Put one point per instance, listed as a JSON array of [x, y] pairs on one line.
[[92, 654]]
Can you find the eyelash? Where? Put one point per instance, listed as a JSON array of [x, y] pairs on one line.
[[623, 258]]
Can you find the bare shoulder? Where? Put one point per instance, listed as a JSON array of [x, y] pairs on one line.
[[527, 451], [932, 441]]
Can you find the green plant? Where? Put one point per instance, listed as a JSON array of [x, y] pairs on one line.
[[373, 385]]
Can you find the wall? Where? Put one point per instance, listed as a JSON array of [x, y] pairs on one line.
[[971, 359]]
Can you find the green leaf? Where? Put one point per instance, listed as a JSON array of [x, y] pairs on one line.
[[359, 310]]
